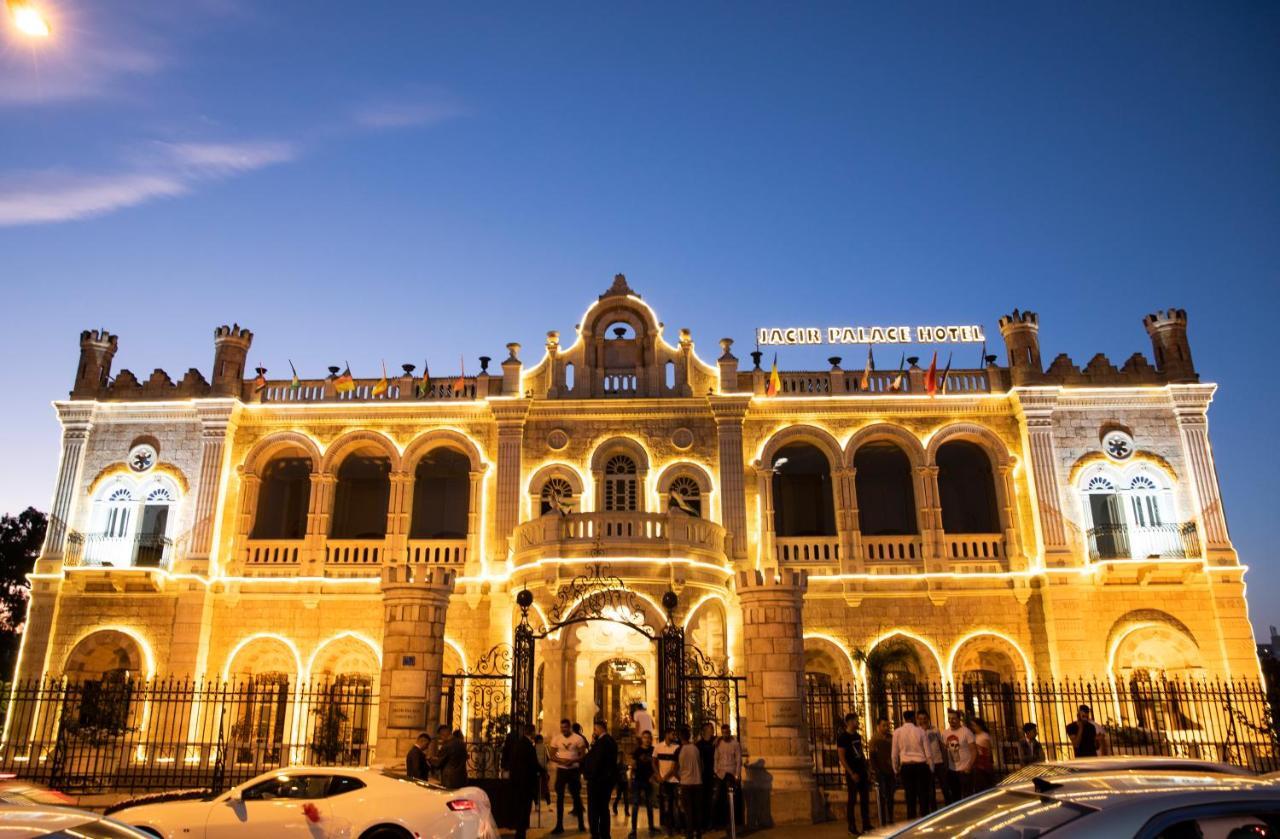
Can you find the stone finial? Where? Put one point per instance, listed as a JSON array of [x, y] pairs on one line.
[[619, 288], [513, 352], [686, 338], [553, 340], [726, 347]]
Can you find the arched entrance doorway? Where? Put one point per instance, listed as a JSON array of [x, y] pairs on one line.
[[620, 685]]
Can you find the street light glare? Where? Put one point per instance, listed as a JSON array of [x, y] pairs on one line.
[[29, 21]]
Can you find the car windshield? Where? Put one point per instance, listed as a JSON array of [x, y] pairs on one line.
[[1000, 814], [400, 776]]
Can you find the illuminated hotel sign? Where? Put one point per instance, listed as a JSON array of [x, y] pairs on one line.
[[776, 336]]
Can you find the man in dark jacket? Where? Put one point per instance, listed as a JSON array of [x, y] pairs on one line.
[[525, 777], [600, 768], [415, 762], [452, 761]]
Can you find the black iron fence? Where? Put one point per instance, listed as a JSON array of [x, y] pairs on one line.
[[128, 735], [1228, 721]]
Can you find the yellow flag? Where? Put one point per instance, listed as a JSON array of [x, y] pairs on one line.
[[381, 387]]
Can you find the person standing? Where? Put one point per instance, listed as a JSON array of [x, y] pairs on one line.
[[707, 755], [937, 759], [689, 770], [1029, 749], [882, 763], [960, 753], [525, 775], [415, 762], [544, 760], [728, 766], [567, 750], [643, 720], [853, 763], [664, 756], [984, 758], [911, 762], [600, 768], [453, 760], [1086, 735], [622, 786], [642, 781]]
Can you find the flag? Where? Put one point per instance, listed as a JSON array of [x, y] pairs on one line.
[[982, 359], [931, 376], [942, 383], [460, 384], [260, 382], [865, 383], [295, 384], [425, 386], [344, 383], [775, 381], [381, 386], [897, 380]]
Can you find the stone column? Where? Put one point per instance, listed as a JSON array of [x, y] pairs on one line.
[[780, 785], [76, 425], [215, 426], [855, 562], [764, 491], [399, 511], [929, 517], [412, 657], [510, 416], [1191, 405], [1008, 517], [1035, 408], [474, 500], [729, 413], [323, 488]]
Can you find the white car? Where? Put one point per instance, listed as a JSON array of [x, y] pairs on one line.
[[311, 802], [32, 821]]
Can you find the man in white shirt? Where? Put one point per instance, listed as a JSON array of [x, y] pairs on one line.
[[960, 754], [664, 761], [728, 768], [911, 762], [567, 749], [643, 720]]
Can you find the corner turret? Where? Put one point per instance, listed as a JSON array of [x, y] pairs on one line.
[[1168, 331], [230, 352], [1021, 331], [97, 350]]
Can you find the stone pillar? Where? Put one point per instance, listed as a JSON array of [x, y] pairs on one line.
[[510, 416], [728, 365], [1008, 517], [780, 785], [399, 511], [929, 517], [76, 425], [764, 491], [474, 500], [1035, 409], [323, 489], [729, 413], [215, 426], [855, 561], [412, 656], [1190, 407]]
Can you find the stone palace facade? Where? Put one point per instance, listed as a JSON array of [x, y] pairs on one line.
[[1030, 523]]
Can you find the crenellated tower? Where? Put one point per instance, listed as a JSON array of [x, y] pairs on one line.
[[97, 350], [1168, 331], [1021, 331], [230, 352]]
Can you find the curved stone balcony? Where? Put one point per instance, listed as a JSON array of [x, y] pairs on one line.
[[589, 535]]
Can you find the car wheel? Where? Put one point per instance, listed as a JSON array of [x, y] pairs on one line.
[[386, 831], [148, 831]]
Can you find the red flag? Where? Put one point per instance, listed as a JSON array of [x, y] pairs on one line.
[[461, 384], [931, 376], [775, 381]]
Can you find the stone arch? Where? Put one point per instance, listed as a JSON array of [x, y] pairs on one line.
[[336, 451], [545, 473], [707, 627], [636, 495], [345, 654], [263, 450], [820, 438], [108, 650], [619, 445], [262, 653], [685, 469], [927, 656], [442, 438], [1152, 639], [884, 431], [984, 437], [651, 612], [829, 657], [122, 471], [989, 652]]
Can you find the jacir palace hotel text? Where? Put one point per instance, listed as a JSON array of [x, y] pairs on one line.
[[242, 572]]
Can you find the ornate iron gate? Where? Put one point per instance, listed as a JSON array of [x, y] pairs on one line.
[[479, 703]]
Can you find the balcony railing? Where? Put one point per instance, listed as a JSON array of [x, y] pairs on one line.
[[1164, 541], [795, 550], [973, 546], [141, 550], [892, 549], [354, 552], [273, 552], [437, 551], [619, 534]]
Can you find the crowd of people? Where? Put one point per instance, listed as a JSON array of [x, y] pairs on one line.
[[927, 763], [695, 785]]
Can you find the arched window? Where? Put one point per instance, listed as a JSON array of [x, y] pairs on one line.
[[117, 513], [556, 496], [1146, 502], [803, 503], [886, 493], [1130, 515], [621, 493], [132, 524], [283, 499], [966, 489], [361, 497], [441, 495], [685, 495]]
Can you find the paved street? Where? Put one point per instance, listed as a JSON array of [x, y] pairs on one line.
[[621, 826]]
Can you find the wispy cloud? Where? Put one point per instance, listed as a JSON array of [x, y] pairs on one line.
[[58, 195], [421, 108], [88, 71]]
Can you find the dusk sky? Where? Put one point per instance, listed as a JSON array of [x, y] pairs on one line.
[[359, 182]]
